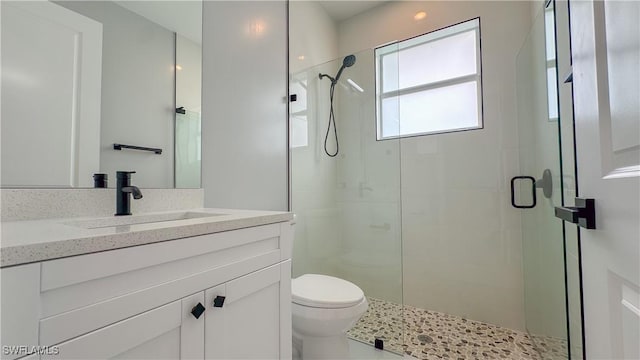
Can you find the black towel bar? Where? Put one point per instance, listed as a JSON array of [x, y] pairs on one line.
[[133, 147]]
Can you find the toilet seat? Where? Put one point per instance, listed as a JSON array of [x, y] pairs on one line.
[[327, 292]]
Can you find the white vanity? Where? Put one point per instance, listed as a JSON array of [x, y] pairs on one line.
[[206, 283]]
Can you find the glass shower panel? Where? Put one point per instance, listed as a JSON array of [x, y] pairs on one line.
[[569, 178], [348, 206], [542, 232], [188, 156]]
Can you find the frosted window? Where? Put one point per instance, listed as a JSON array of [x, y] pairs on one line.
[[552, 93], [391, 113], [439, 110], [430, 83], [550, 49], [439, 60], [390, 72], [550, 33]]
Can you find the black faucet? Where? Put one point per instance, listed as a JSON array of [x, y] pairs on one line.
[[123, 189]]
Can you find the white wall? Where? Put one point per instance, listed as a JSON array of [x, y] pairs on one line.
[[137, 93], [314, 37], [189, 75], [244, 112], [461, 238]]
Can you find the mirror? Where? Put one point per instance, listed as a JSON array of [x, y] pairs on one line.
[[100, 86]]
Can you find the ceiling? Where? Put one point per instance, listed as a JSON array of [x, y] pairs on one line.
[[340, 10], [183, 17]]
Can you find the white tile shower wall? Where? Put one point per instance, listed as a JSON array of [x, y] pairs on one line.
[[313, 174], [33, 204], [461, 238], [317, 43]]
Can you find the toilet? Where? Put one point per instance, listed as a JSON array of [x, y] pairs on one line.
[[324, 308]]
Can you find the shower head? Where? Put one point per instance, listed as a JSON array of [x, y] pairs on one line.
[[348, 61]]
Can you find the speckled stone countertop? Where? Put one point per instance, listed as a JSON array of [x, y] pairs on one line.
[[29, 241]]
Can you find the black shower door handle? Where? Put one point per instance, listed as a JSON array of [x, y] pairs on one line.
[[583, 214], [533, 192]]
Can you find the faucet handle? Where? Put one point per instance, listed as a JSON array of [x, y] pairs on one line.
[[124, 174]]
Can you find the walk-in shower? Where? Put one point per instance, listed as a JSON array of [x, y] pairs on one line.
[[422, 220]]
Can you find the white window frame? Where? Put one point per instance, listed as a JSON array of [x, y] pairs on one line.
[[436, 35], [550, 15]]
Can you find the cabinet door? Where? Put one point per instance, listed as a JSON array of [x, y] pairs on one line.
[[19, 295], [254, 320], [167, 332]]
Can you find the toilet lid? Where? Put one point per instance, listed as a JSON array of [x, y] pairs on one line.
[[323, 291]]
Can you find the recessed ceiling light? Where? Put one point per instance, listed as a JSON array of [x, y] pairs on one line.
[[301, 57], [178, 67], [420, 15]]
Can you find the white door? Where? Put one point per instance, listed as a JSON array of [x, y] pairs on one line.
[[168, 332], [606, 76], [252, 321], [51, 76]]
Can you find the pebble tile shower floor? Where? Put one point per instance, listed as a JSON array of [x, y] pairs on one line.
[[433, 335]]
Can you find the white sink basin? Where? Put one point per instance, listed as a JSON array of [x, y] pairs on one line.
[[139, 219]]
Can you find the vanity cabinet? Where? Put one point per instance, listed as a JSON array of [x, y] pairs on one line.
[[167, 332], [139, 302], [243, 328]]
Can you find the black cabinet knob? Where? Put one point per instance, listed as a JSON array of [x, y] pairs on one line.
[[197, 310], [218, 301]]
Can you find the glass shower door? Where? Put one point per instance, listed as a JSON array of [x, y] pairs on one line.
[[550, 252], [348, 205]]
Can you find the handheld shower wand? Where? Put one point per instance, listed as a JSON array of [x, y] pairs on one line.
[[348, 61]]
